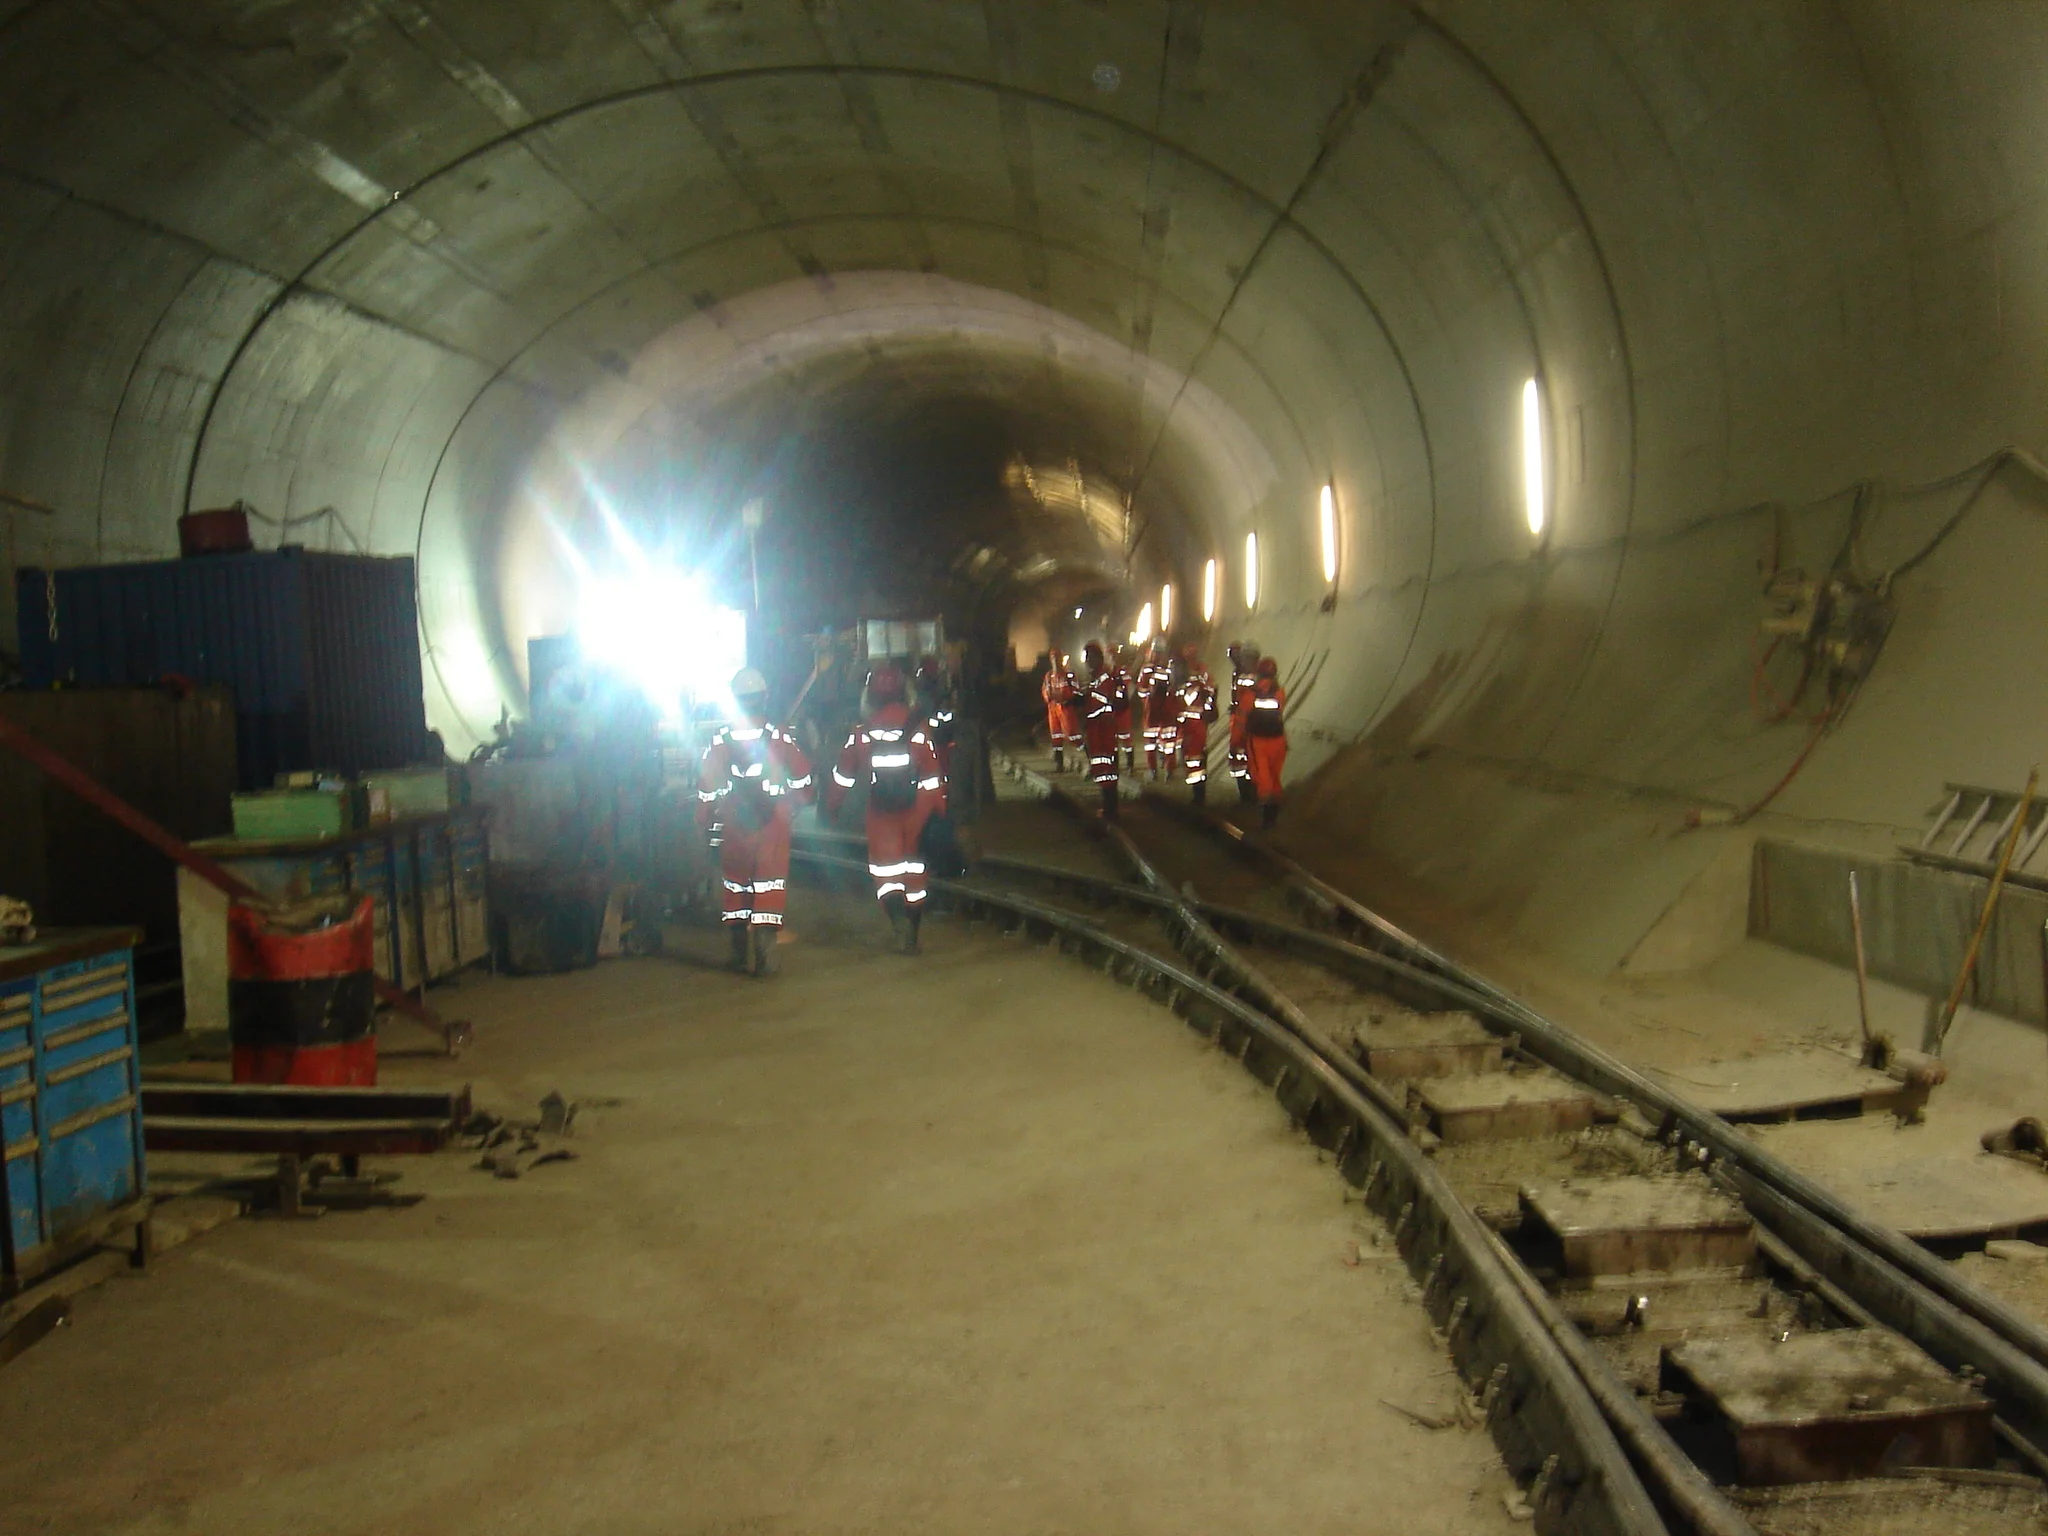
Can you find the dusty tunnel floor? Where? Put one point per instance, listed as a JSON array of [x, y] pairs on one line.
[[977, 1242]]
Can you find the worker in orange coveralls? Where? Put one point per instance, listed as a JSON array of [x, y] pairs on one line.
[[1162, 710], [890, 753], [1195, 703], [753, 780], [935, 702], [1125, 741], [1108, 691], [1244, 676], [1062, 711], [1266, 738]]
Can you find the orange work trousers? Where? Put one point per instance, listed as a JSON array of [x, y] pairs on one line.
[[893, 856], [1194, 750], [1269, 756], [753, 865]]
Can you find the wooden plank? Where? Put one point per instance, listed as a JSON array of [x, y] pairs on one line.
[[299, 1138]]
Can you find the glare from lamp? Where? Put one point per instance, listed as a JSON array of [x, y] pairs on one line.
[[1166, 609], [1143, 631], [1532, 456], [1211, 581], [1251, 571], [1329, 534], [655, 625]]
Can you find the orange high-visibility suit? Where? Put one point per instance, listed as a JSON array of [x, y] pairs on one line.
[[1062, 712], [1197, 705], [1122, 714], [935, 702], [890, 753], [1266, 737], [1162, 712], [1242, 681], [753, 779], [1107, 693]]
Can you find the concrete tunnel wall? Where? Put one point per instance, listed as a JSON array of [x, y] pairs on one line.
[[372, 254]]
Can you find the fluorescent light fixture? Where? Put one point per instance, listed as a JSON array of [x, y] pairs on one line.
[[1251, 571], [1212, 579], [1329, 534], [1077, 613], [1166, 608], [1532, 455], [1144, 630]]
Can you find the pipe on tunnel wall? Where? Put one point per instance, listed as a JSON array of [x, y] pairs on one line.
[[1752, 254]]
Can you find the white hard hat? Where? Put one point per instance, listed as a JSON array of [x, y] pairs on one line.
[[747, 681]]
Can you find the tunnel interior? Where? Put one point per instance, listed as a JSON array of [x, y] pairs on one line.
[[1010, 313]]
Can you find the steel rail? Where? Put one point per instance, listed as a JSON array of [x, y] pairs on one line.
[[1809, 1246], [1196, 928], [1675, 1474], [1904, 1286], [1548, 1427]]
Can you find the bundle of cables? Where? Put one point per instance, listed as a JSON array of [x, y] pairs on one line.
[[1839, 622]]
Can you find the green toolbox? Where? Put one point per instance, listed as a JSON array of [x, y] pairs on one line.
[[413, 791], [268, 815]]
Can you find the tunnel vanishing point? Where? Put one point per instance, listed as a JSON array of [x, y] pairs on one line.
[[1670, 370]]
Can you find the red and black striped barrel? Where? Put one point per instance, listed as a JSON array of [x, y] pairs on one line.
[[302, 995]]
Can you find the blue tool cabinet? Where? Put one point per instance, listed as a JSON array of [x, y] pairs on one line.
[[71, 1161]]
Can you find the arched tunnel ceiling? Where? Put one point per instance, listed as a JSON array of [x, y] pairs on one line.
[[385, 254]]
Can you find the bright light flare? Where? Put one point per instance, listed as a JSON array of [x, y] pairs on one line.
[[1166, 608], [1251, 571], [655, 625], [1329, 534], [1212, 581], [1143, 631], [1532, 456]]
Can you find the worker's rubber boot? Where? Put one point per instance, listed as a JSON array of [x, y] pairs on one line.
[[899, 918], [1059, 760], [1110, 803], [913, 920], [738, 933], [1269, 815], [1199, 793], [763, 944], [1245, 792]]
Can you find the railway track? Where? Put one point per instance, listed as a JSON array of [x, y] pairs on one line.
[[1487, 1139]]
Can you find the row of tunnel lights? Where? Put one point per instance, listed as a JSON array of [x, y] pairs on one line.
[[1534, 506]]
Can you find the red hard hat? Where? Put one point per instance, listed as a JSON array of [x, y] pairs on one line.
[[1268, 667], [886, 682]]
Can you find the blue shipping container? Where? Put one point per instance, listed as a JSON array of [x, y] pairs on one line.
[[321, 650]]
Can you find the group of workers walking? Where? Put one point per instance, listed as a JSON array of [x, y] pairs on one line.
[[755, 777], [1090, 718]]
